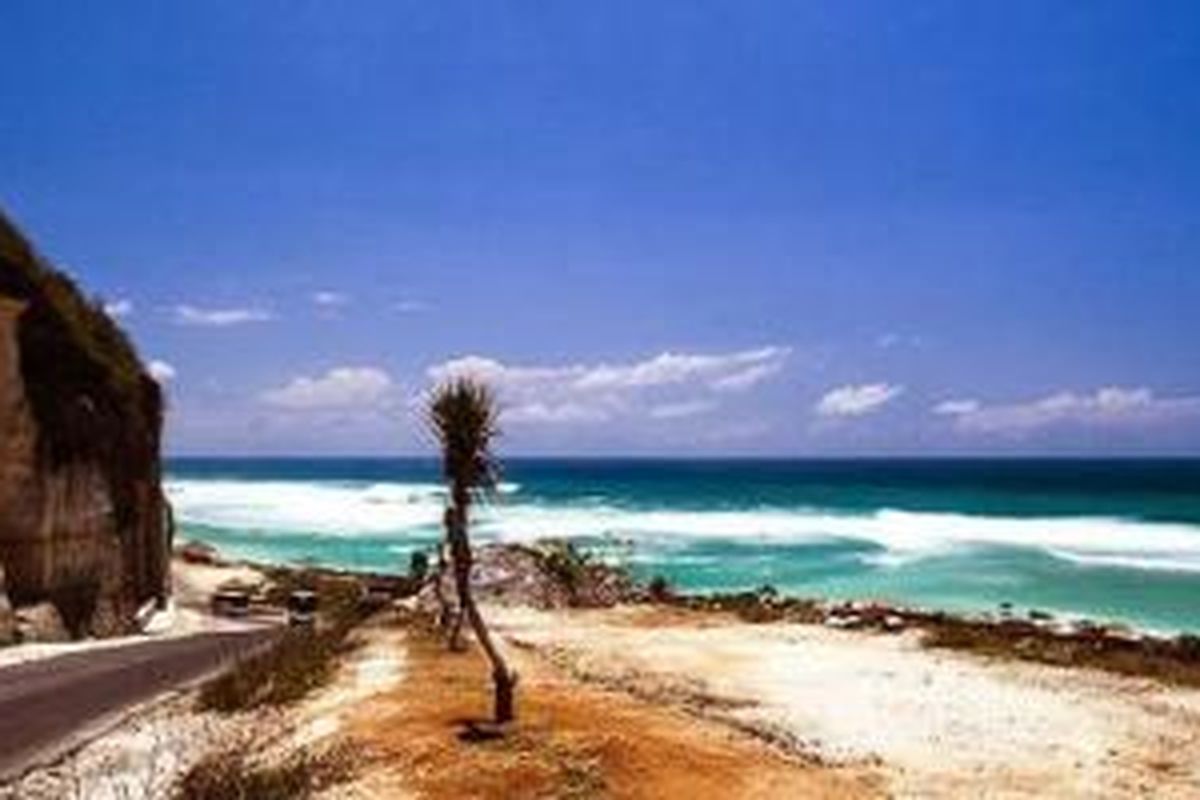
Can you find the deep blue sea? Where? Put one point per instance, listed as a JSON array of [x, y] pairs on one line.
[[1117, 540]]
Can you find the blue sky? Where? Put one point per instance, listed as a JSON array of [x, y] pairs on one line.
[[744, 227]]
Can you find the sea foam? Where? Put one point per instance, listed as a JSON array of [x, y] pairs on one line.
[[353, 509]]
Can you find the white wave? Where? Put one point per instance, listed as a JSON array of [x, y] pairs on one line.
[[397, 508], [903, 535], [1097, 540], [306, 507]]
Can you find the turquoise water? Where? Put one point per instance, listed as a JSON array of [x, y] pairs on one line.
[[1116, 540]]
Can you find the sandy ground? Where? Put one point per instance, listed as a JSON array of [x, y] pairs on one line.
[[933, 723], [428, 738], [192, 585]]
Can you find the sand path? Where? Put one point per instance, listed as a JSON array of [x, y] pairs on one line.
[[936, 724]]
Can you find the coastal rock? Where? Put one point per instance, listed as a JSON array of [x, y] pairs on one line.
[[549, 574], [199, 553], [41, 623], [107, 620], [84, 525], [8, 621]]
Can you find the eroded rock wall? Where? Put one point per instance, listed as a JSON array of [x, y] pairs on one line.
[[92, 541]]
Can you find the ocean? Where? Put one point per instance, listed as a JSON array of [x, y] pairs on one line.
[[1114, 540]]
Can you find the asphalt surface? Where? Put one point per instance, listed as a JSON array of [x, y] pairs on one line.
[[49, 706]]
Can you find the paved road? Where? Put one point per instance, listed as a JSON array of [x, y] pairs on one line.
[[46, 706]]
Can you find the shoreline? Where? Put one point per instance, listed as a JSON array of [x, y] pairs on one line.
[[199, 569], [1037, 636], [1046, 615]]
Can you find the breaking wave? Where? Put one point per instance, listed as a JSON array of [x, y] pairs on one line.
[[890, 536]]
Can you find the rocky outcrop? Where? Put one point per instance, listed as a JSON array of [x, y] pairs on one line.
[[83, 521], [548, 574], [41, 623], [8, 621]]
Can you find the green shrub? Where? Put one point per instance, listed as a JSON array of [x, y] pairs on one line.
[[565, 563], [659, 589]]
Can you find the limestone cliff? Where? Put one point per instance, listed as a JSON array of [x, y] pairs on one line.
[[83, 522]]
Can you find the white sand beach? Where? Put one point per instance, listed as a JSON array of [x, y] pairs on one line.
[[932, 723]]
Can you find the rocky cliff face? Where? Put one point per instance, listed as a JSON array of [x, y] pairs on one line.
[[83, 523]]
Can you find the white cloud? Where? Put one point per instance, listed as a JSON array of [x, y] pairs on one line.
[[410, 306], [857, 401], [330, 300], [116, 309], [956, 408], [161, 371], [669, 385], [730, 371], [218, 317], [1109, 406], [496, 372], [749, 377], [555, 413], [339, 389], [687, 408]]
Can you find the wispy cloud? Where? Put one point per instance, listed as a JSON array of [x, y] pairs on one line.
[[184, 314], [349, 388], [687, 408], [857, 401], [330, 304], [956, 408], [666, 386], [1111, 406], [121, 307], [729, 371], [330, 299], [411, 306], [556, 413], [161, 371]]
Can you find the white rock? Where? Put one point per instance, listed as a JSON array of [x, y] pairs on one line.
[[41, 623]]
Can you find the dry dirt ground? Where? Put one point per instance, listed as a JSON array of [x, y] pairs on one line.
[[427, 738]]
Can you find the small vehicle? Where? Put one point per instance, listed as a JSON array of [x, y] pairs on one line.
[[302, 608], [231, 603]]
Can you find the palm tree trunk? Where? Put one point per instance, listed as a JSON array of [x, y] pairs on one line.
[[454, 638], [451, 621], [447, 617], [503, 679]]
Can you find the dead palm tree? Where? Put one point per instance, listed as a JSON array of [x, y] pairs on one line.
[[463, 415]]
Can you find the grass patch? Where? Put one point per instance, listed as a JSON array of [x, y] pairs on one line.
[[299, 662], [234, 775]]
